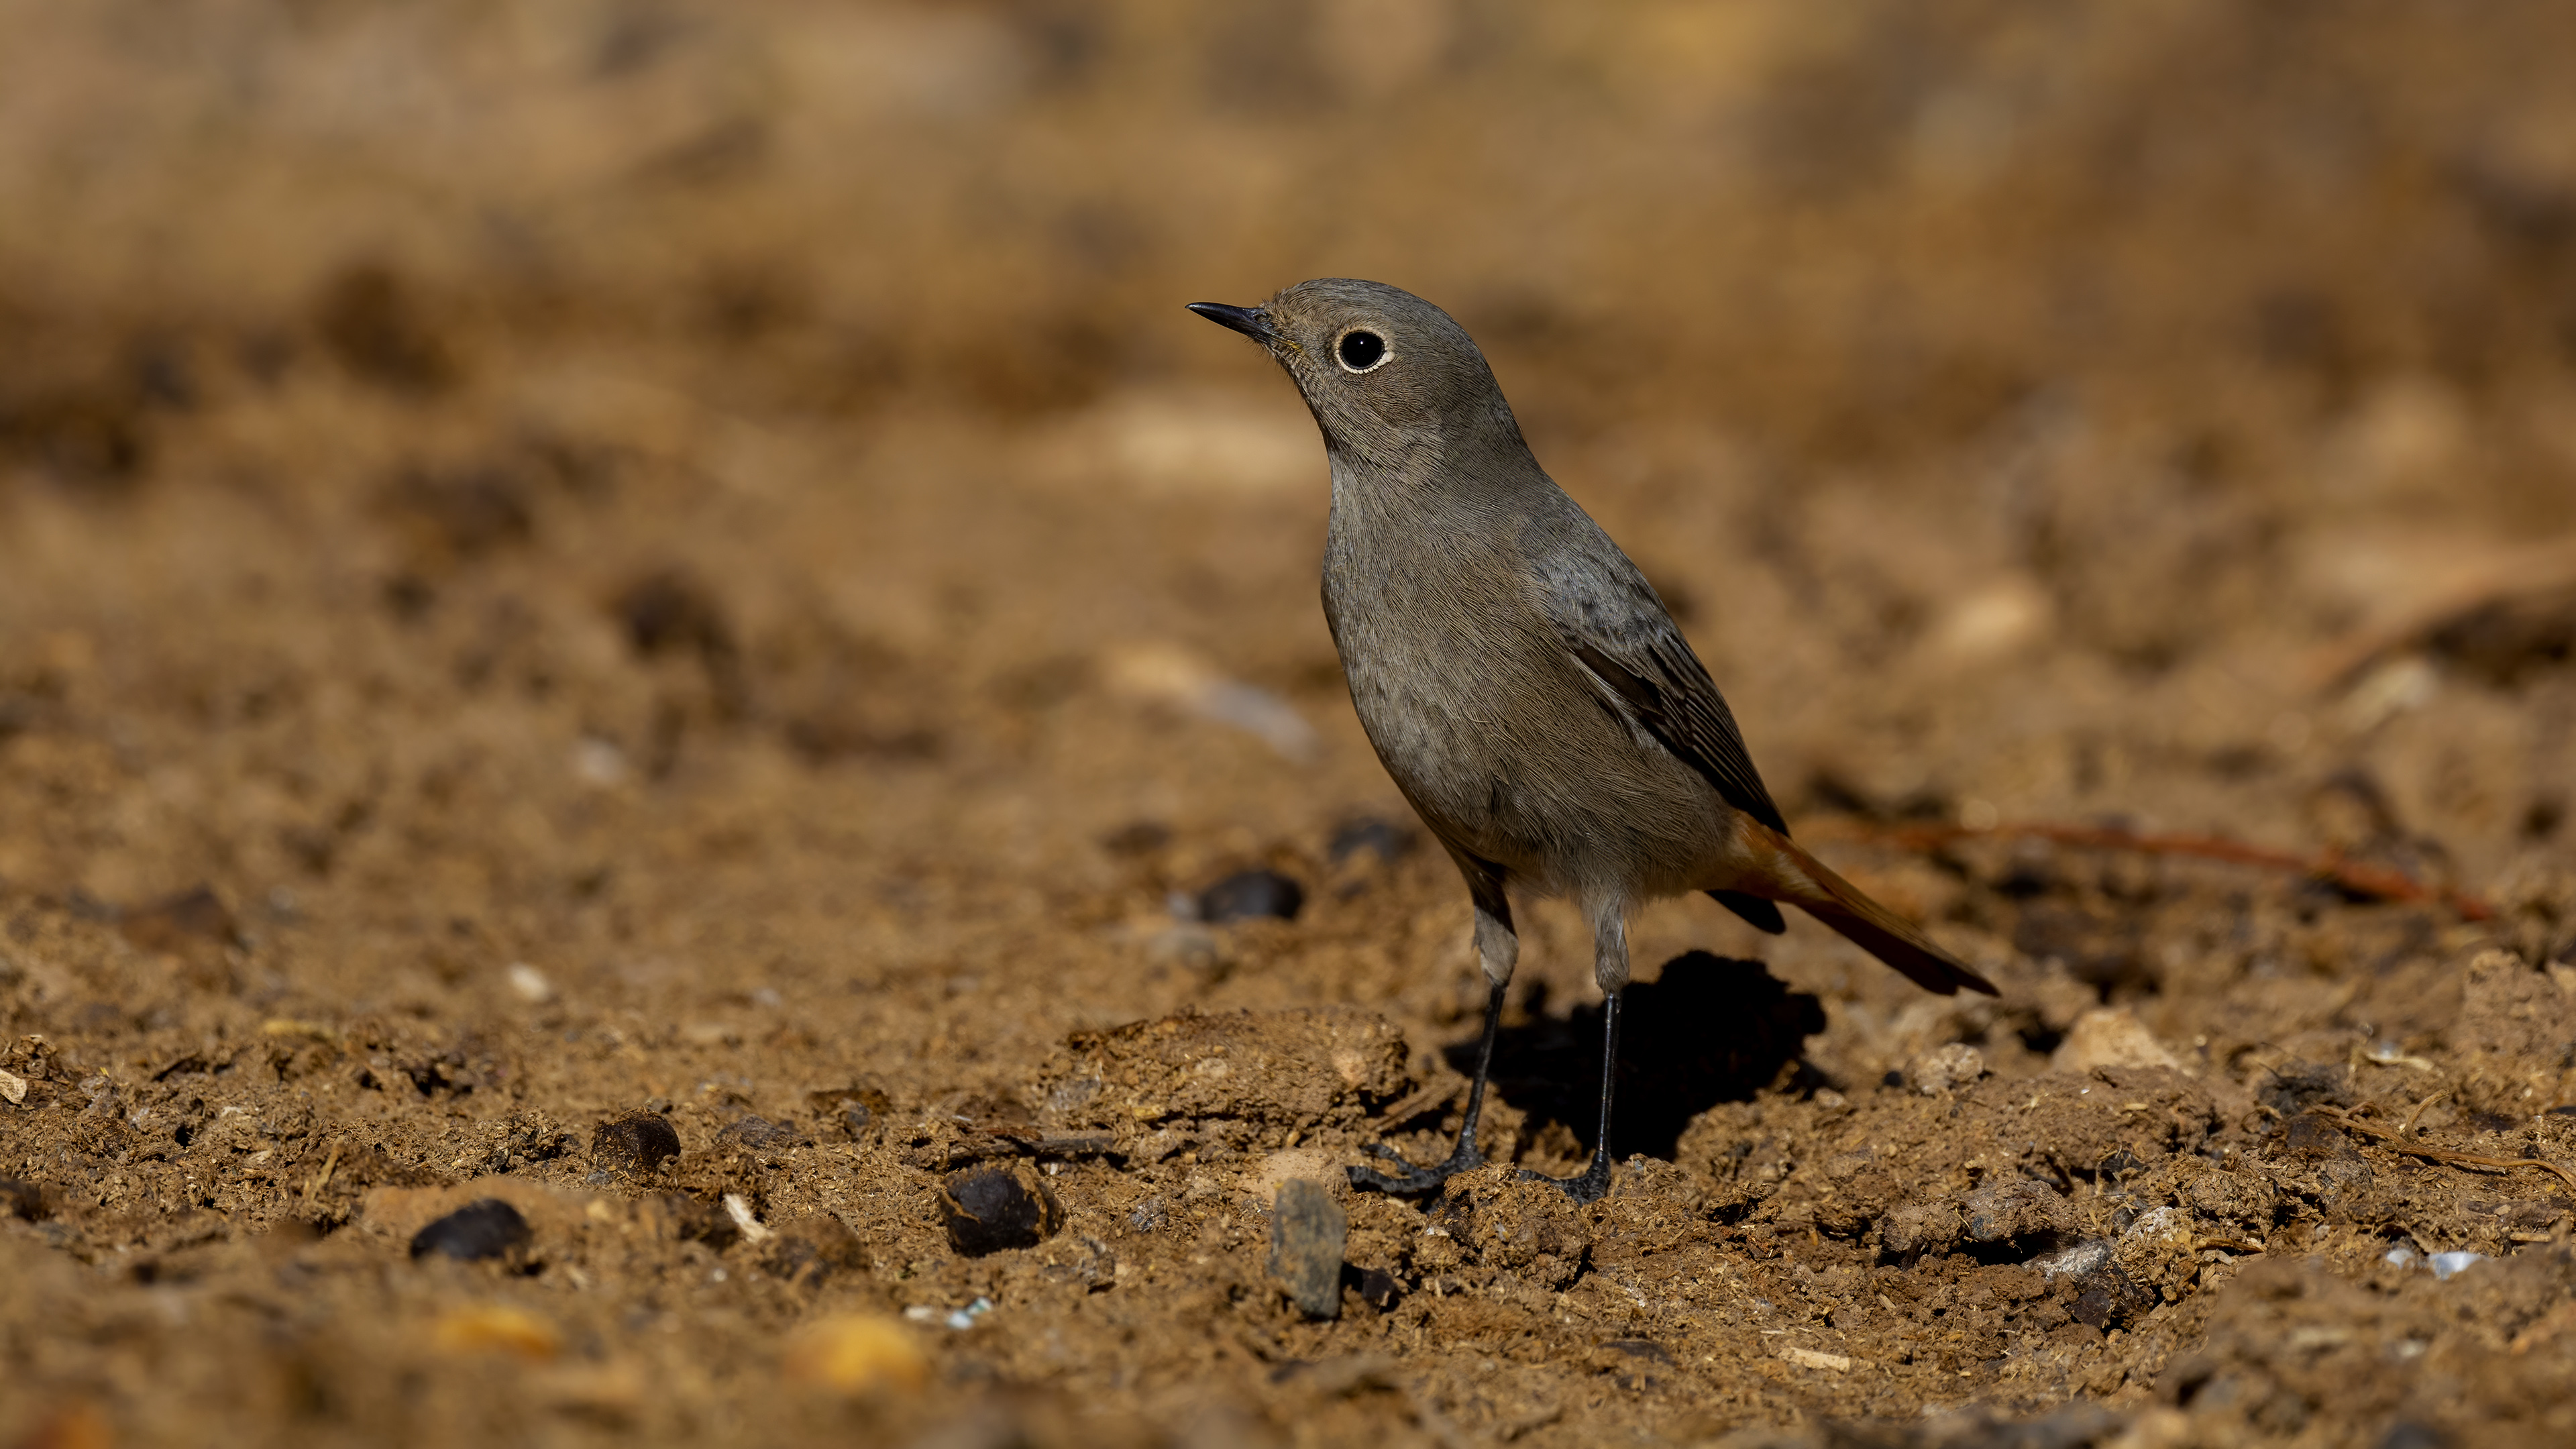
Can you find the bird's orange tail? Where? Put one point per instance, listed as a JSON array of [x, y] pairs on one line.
[[1809, 884]]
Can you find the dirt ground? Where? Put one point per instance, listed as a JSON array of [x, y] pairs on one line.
[[586, 580]]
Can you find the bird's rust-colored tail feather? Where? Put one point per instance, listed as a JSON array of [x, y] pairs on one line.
[[1811, 886]]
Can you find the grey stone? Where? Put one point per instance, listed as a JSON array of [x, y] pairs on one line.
[[1307, 1233]]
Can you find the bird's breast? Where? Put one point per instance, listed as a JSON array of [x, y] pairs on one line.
[[1475, 710]]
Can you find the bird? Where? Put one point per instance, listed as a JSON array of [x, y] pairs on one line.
[[1522, 683]]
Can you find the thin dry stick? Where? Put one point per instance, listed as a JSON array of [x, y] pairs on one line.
[[2444, 1154], [2351, 875], [2415, 1116], [313, 1185]]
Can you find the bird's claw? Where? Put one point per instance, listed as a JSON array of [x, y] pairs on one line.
[[1413, 1180], [1586, 1187]]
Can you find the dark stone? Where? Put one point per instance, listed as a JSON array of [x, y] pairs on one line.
[[2110, 1299], [485, 1229], [636, 1142], [1389, 840], [1249, 895], [989, 1209], [1308, 1231], [2406, 1434], [1378, 1289]]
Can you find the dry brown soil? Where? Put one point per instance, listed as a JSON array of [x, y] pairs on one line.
[[573, 561]]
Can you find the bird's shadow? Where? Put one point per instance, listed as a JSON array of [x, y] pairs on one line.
[[1712, 1029]]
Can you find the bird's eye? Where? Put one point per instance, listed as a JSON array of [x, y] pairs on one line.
[[1360, 350]]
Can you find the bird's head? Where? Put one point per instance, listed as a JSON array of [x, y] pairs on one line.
[[1385, 373]]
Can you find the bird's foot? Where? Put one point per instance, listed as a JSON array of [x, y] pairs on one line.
[[1585, 1188], [1414, 1180]]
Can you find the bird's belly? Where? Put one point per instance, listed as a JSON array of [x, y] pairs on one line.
[[1525, 767]]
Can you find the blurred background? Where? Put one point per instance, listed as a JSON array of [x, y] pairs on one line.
[[2032, 409]]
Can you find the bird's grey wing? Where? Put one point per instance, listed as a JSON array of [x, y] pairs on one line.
[[1610, 620]]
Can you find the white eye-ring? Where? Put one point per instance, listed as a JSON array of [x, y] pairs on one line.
[[1362, 349]]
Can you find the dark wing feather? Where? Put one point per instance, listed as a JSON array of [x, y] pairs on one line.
[[1665, 688], [1609, 618]]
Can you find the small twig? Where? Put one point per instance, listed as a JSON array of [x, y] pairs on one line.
[[313, 1185], [2378, 882], [2409, 1129], [1003, 1144], [2444, 1154], [1427, 1098]]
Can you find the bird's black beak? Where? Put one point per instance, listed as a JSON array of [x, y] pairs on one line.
[[1252, 322]]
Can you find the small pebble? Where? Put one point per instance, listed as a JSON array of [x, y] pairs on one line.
[[1953, 1066], [1379, 1290], [2446, 1264], [988, 1209], [637, 1142], [1308, 1231], [530, 983], [1251, 895], [485, 1229], [857, 1353]]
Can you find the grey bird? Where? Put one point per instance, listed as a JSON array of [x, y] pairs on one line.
[[1522, 683]]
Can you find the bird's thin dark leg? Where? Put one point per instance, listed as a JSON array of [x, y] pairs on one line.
[[1595, 1180], [1462, 1157]]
